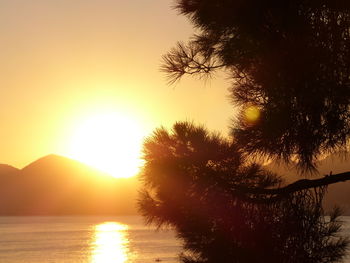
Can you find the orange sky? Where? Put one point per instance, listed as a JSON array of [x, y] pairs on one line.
[[62, 60]]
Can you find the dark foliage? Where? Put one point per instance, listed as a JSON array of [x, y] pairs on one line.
[[288, 58], [289, 62], [191, 177]]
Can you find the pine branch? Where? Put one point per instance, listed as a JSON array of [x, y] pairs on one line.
[[299, 185]]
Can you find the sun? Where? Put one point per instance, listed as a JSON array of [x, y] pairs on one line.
[[110, 142]]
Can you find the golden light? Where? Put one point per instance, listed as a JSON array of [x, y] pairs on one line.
[[252, 114], [110, 243], [109, 141]]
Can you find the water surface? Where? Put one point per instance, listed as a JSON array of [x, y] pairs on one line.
[[89, 240], [84, 239]]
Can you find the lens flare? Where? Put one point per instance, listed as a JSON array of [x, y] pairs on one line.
[[252, 114]]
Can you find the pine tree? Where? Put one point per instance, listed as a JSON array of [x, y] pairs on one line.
[[290, 65]]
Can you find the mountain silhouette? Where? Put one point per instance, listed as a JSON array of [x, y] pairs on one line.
[[56, 185], [337, 194], [6, 169]]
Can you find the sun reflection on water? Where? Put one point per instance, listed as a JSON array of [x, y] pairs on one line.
[[110, 243]]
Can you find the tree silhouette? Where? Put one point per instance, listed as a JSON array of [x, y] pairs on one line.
[[192, 183], [290, 66], [288, 58]]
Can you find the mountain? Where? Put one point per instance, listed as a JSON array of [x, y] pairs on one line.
[[6, 169], [337, 194], [56, 185]]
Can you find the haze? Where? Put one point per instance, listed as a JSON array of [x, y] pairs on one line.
[[62, 61]]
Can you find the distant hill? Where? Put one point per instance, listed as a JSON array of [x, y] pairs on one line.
[[56, 185], [337, 194], [7, 169]]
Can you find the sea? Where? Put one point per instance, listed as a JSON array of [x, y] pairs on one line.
[[75, 239]]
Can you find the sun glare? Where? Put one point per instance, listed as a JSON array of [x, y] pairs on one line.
[[111, 142], [111, 243]]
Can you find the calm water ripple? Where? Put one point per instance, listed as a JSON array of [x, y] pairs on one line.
[[88, 239], [84, 239]]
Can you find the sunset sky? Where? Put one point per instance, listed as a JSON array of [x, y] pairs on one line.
[[64, 62]]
